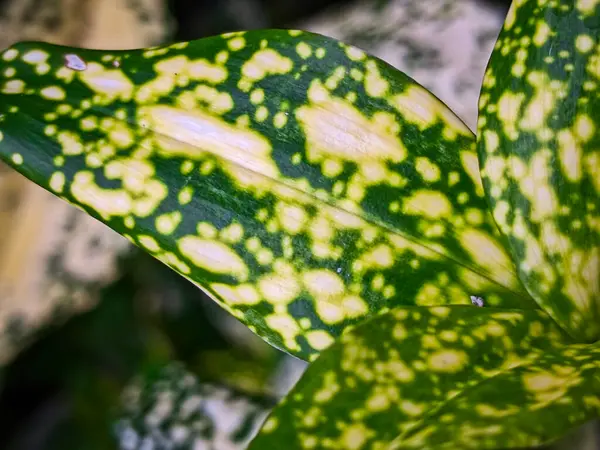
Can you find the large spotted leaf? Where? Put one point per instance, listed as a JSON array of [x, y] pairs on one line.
[[445, 377], [539, 144], [300, 182]]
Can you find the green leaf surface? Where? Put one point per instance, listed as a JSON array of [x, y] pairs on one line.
[[440, 377], [301, 183], [535, 403], [172, 410], [539, 144]]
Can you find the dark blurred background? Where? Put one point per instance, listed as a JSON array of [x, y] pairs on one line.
[[82, 313], [206, 17]]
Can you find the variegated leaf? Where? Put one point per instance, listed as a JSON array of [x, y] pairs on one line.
[[532, 404], [300, 182], [440, 377], [539, 143]]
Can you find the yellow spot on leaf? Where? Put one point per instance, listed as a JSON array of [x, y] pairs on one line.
[[336, 129], [570, 156], [587, 7], [53, 93], [375, 84], [244, 294], [543, 102], [428, 295], [287, 327], [319, 339], [412, 409], [430, 204], [584, 43], [448, 360], [213, 256], [279, 289], [167, 223], [106, 202], [17, 158], [379, 257], [266, 62], [110, 84], [149, 243], [13, 87], [57, 182], [233, 233], [236, 43], [429, 171], [542, 33], [245, 155], [332, 302], [304, 50], [323, 283], [355, 54], [292, 218], [486, 252], [509, 107], [355, 436], [471, 165]]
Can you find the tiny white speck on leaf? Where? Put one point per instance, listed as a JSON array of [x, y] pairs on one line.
[[74, 62], [477, 301]]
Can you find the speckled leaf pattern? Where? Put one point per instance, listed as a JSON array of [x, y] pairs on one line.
[[539, 148], [549, 396], [440, 377], [173, 410], [300, 182]]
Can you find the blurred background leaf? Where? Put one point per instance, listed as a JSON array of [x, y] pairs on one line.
[[170, 409], [82, 314], [54, 258]]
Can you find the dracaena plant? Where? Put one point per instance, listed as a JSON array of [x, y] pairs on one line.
[[311, 189]]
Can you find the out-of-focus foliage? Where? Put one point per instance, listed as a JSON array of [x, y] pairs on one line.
[[62, 392], [53, 258], [110, 24], [171, 410]]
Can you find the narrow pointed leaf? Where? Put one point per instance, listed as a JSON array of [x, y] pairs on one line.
[[301, 183], [409, 379], [539, 144]]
